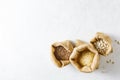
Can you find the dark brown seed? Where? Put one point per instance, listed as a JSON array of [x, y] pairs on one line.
[[61, 53]]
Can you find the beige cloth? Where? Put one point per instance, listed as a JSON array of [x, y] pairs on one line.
[[81, 46]]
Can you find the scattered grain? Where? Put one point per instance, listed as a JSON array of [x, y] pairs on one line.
[[118, 42], [113, 62], [110, 61], [107, 61]]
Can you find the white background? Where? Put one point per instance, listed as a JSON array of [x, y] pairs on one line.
[[29, 27]]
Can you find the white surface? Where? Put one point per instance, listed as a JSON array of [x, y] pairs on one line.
[[29, 27]]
